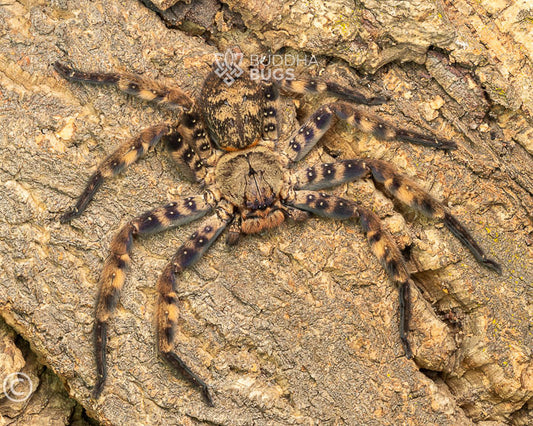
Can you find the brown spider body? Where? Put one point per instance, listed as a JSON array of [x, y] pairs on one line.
[[232, 114], [252, 180], [249, 186]]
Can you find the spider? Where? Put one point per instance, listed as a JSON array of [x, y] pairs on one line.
[[228, 142]]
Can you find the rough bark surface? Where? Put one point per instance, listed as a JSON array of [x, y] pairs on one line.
[[298, 325], [38, 397]]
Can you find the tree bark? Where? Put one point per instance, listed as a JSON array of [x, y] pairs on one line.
[[298, 325]]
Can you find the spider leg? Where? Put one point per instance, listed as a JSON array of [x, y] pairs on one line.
[[126, 154], [328, 175], [167, 312], [402, 188], [113, 273], [305, 138], [302, 86], [381, 244], [149, 90], [270, 111], [408, 192], [193, 130], [187, 157]]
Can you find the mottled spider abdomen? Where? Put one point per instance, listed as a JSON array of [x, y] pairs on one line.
[[232, 113]]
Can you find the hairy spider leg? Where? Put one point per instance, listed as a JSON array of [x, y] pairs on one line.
[[113, 274], [408, 192], [270, 111], [381, 244], [306, 137], [328, 175], [125, 155], [189, 161], [193, 130], [149, 90], [167, 311], [402, 188], [302, 86]]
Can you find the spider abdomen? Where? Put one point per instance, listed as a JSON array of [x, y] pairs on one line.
[[232, 113]]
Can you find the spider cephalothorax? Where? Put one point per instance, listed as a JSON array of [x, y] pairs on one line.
[[228, 141], [252, 180]]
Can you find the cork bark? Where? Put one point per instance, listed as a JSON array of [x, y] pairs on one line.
[[298, 325]]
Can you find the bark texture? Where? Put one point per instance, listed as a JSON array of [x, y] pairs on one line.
[[32, 394], [298, 325]]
